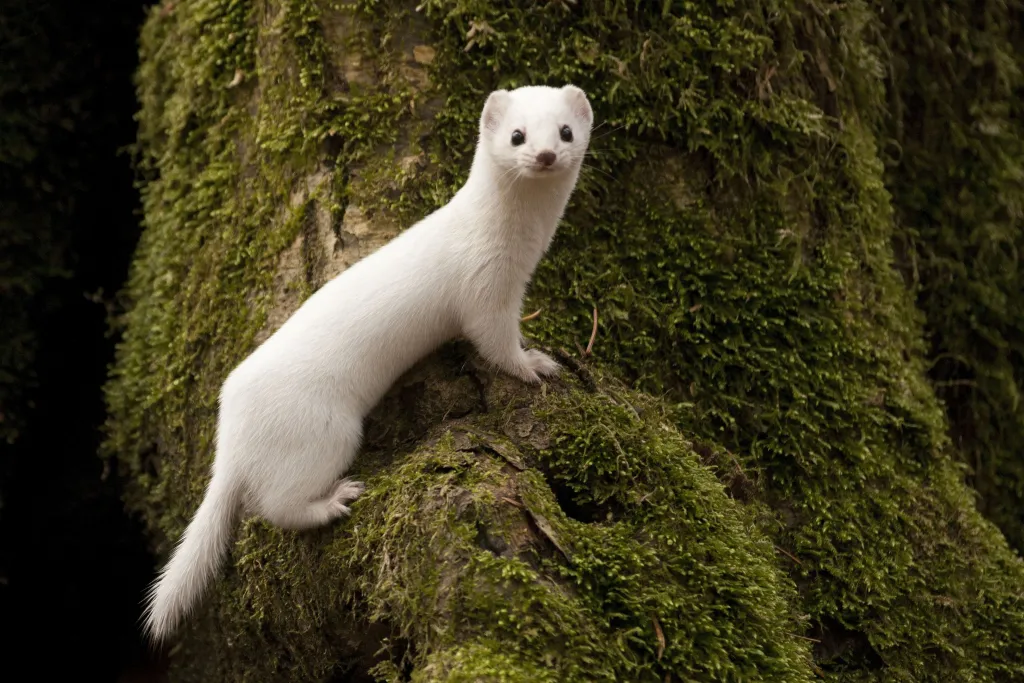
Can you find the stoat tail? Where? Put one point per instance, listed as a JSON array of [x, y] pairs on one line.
[[195, 560]]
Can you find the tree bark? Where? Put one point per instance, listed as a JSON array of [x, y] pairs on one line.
[[749, 478]]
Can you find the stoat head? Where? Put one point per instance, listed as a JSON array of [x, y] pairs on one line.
[[536, 132]]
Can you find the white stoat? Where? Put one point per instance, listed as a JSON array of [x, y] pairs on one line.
[[291, 414]]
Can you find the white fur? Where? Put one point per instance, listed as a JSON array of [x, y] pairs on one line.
[[291, 414]]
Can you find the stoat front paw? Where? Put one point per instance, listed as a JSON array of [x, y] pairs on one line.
[[346, 491], [541, 364]]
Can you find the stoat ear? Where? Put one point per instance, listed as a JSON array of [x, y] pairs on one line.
[[494, 110], [580, 104]]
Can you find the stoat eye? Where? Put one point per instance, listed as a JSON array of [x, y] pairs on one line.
[[566, 134], [518, 138]]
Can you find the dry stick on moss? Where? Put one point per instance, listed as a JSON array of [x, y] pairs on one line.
[[532, 315], [661, 637], [789, 555], [593, 335]]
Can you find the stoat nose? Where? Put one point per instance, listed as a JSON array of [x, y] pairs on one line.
[[547, 157]]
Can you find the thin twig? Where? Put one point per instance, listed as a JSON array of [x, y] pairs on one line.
[[661, 637], [789, 555], [532, 315], [593, 336]]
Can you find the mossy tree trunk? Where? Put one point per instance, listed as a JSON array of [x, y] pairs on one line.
[[957, 176], [749, 479]]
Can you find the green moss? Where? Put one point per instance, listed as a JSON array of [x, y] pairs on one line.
[[733, 229], [480, 661], [668, 543], [957, 179]]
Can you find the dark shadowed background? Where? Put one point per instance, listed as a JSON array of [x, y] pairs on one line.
[[72, 564]]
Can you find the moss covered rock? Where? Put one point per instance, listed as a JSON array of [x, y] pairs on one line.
[[749, 479]]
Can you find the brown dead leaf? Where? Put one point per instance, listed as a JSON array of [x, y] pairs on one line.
[[423, 54]]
